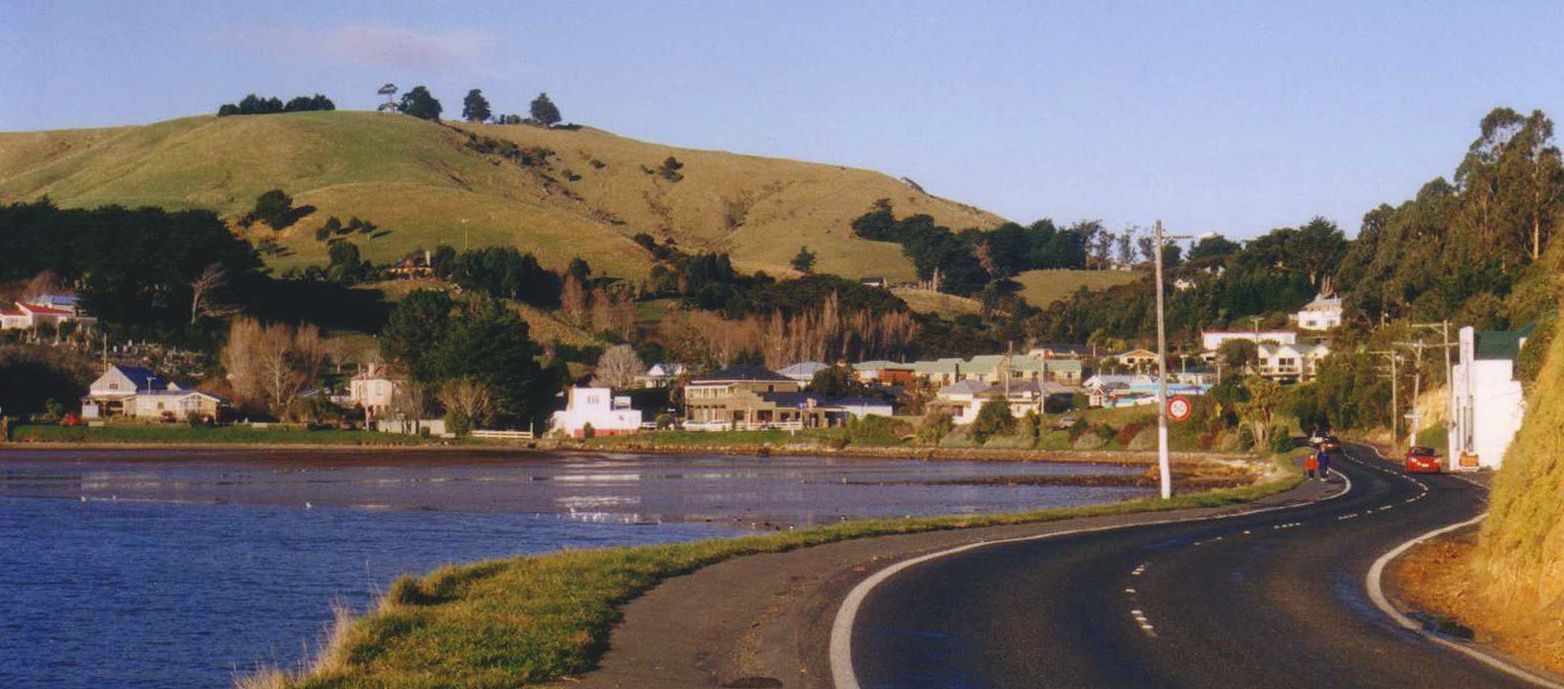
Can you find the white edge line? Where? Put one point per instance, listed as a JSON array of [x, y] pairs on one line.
[[1373, 582], [841, 646]]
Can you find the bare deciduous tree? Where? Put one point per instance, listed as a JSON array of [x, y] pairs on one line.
[[618, 367], [469, 398], [272, 364], [212, 278]]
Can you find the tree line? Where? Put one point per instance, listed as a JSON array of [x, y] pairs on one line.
[[257, 105]]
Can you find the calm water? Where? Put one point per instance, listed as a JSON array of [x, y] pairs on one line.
[[135, 569]]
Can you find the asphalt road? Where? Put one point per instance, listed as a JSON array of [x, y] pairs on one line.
[[1269, 600]]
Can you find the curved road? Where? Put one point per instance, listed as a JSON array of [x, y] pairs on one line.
[[1269, 600]]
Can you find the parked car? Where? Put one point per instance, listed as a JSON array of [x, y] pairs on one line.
[[1331, 443], [1317, 438], [1423, 460]]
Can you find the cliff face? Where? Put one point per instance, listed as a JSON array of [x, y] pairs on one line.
[[1518, 564]]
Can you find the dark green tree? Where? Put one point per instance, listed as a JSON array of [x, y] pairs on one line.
[[416, 329], [1214, 246], [475, 108], [345, 265], [580, 269], [804, 260], [421, 104], [544, 111], [837, 381], [443, 261], [275, 208], [994, 418], [492, 345]]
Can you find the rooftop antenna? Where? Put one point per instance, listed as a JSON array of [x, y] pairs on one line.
[[389, 91]]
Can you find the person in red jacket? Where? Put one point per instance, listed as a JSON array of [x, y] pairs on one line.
[[1311, 465]]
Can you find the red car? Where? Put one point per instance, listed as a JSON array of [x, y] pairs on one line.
[[1423, 460]]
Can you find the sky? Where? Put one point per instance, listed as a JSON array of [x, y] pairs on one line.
[[1212, 117]]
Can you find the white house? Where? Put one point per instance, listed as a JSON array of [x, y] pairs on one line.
[[374, 389], [1291, 361], [598, 408], [1324, 313], [1486, 402], [137, 392], [1211, 340]]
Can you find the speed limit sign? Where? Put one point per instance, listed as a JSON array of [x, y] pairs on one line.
[[1179, 408]]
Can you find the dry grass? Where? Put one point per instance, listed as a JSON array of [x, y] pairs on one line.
[[419, 180], [929, 301], [1043, 287]]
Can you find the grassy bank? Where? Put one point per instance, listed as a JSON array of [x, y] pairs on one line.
[[183, 434], [527, 620]]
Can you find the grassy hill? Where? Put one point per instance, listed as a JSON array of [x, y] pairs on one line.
[[1043, 287], [424, 185]]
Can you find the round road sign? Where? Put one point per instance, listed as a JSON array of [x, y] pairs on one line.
[[1179, 408]]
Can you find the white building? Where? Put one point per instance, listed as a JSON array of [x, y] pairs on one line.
[[1486, 401], [1324, 313], [1211, 340], [374, 389], [598, 408], [1296, 362], [136, 392]]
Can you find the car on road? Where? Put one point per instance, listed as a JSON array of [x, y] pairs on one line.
[[1422, 459]]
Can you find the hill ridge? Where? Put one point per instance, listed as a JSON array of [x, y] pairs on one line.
[[427, 185]]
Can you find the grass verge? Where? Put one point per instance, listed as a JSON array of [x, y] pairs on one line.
[[527, 620]]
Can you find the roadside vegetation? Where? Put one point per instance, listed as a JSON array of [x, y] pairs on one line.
[[530, 620]]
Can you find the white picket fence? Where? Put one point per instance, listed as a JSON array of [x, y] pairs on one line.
[[503, 435]]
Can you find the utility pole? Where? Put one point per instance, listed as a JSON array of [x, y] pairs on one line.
[[1163, 469], [1415, 417], [1395, 407]]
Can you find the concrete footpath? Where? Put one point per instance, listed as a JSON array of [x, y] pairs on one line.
[[765, 620]]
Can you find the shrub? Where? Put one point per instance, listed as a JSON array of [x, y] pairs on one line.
[[994, 418], [458, 422], [936, 426], [1078, 427], [587, 431], [1104, 431], [876, 430], [1281, 440], [54, 410], [1126, 434]]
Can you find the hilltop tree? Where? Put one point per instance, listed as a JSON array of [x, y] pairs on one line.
[[475, 108], [420, 104], [544, 111], [804, 260]]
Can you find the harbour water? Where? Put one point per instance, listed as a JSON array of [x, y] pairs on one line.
[[158, 569]]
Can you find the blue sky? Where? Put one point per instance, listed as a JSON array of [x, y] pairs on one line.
[[1213, 117]]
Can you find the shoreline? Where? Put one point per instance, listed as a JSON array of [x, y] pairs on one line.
[[896, 452]]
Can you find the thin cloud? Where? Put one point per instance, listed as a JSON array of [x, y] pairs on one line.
[[379, 45]]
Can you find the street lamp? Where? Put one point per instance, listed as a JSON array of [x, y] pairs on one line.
[[1163, 467]]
